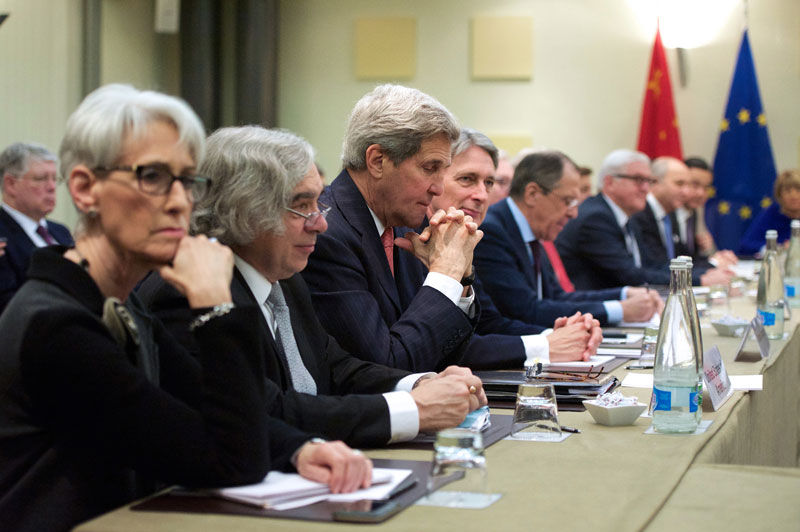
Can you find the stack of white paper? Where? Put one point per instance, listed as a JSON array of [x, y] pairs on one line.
[[282, 491]]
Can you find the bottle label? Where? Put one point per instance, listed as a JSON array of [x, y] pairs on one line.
[[663, 399], [790, 292], [668, 398], [768, 317]]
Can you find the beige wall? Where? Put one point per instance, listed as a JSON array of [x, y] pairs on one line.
[[39, 75], [590, 62], [40, 72]]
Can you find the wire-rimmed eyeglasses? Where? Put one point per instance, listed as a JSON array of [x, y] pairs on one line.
[[312, 217]]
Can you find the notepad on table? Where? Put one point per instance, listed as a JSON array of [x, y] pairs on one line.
[[280, 491]]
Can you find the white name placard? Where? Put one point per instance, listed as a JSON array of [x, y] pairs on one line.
[[716, 378], [756, 326]]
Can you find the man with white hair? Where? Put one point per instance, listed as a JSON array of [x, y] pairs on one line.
[[599, 247], [29, 194], [383, 291]]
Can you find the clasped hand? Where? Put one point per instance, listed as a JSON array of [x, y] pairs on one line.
[[446, 245]]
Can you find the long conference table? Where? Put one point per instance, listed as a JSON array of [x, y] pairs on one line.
[[741, 474]]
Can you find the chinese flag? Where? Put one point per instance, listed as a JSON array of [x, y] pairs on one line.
[[658, 134]]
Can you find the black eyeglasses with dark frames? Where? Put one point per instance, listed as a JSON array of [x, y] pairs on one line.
[[638, 179], [156, 180]]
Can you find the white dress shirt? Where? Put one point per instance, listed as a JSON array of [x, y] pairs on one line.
[[613, 308], [28, 224], [445, 284], [659, 213], [622, 221], [403, 412]]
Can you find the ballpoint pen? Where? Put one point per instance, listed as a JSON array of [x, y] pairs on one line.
[[572, 430]]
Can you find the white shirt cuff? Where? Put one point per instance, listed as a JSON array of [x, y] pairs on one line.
[[613, 311], [403, 416], [623, 295], [406, 384], [537, 349], [452, 289]]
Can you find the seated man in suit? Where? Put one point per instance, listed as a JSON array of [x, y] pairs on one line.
[[402, 302], [688, 220], [29, 194], [513, 266], [599, 247], [468, 183], [263, 204], [657, 240]]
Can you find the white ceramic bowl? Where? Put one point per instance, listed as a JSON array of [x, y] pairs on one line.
[[730, 329], [614, 415]]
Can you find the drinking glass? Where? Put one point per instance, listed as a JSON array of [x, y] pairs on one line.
[[458, 471], [649, 342], [536, 413]]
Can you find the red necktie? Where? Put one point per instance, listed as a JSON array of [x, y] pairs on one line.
[[45, 234], [387, 239], [558, 266]]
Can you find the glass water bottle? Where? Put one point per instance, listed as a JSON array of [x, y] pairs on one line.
[[697, 333], [791, 268], [770, 289], [676, 371]]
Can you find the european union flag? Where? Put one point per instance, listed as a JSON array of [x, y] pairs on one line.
[[744, 170]]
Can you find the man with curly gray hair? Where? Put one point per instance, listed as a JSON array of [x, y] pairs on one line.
[[263, 203], [383, 291]]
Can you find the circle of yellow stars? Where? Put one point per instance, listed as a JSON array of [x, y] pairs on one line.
[[743, 116], [745, 212], [724, 207]]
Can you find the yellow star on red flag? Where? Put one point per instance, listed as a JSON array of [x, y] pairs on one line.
[[655, 83]]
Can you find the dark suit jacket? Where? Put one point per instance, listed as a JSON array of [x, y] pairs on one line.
[[682, 247], [592, 248], [509, 277], [496, 343], [651, 246], [393, 321], [18, 251], [337, 412]]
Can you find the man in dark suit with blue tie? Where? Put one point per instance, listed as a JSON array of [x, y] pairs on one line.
[[399, 298], [263, 204], [29, 194], [513, 265], [658, 241]]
